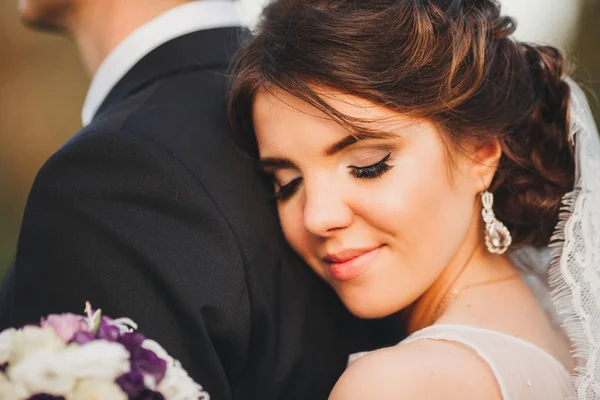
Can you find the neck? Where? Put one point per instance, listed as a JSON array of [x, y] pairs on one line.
[[472, 264], [102, 25]]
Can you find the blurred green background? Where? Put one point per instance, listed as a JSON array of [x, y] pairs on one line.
[[42, 87]]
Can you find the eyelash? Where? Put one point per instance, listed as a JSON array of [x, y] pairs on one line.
[[369, 172], [286, 191], [372, 171]]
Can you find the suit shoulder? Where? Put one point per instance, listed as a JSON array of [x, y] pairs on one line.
[[180, 104], [99, 143], [421, 369]]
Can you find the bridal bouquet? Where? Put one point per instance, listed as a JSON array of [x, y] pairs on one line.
[[72, 357]]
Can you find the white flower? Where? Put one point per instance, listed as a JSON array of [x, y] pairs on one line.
[[124, 324], [160, 352], [11, 391], [177, 385], [32, 339], [153, 346], [57, 371], [42, 372], [97, 389], [98, 359], [6, 338]]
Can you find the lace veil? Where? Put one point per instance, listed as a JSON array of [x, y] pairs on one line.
[[574, 274]]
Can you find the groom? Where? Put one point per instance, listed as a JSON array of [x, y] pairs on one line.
[[151, 212]]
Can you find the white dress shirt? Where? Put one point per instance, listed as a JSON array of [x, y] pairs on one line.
[[178, 21]]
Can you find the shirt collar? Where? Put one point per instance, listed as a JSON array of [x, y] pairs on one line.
[[178, 21]]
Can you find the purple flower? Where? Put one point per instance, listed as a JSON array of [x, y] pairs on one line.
[[131, 341], [108, 332], [82, 338], [44, 396], [148, 363], [65, 325], [149, 395], [131, 383]]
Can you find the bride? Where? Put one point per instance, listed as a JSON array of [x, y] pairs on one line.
[[422, 161]]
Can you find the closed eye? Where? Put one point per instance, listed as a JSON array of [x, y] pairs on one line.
[[288, 190], [372, 171]]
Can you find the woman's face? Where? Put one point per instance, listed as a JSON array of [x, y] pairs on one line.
[[378, 218]]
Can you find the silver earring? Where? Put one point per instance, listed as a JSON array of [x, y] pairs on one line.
[[497, 236]]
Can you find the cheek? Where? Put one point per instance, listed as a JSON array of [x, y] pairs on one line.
[[418, 203], [424, 215]]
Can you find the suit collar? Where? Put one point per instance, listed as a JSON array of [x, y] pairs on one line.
[[179, 21], [205, 50]]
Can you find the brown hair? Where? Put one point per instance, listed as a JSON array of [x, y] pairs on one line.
[[452, 62]]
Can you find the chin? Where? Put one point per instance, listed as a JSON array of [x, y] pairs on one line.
[[370, 309], [47, 15]]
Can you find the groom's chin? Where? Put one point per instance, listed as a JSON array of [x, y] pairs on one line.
[[45, 15]]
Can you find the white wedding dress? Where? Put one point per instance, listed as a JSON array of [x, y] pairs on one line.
[[522, 370]]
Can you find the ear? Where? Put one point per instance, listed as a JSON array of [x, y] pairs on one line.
[[485, 157]]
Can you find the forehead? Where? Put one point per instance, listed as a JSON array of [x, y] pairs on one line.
[[286, 126], [283, 119]]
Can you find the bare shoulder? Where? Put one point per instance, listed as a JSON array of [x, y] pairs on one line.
[[424, 369]]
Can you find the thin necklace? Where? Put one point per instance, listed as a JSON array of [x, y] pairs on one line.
[[456, 291]]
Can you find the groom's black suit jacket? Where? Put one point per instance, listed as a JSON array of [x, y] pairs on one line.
[[151, 212]]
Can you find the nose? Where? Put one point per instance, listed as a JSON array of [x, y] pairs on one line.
[[325, 210]]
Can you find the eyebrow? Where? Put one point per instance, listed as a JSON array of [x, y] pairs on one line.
[[268, 164], [273, 163], [352, 139]]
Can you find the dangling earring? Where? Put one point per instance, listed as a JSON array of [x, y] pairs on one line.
[[497, 236]]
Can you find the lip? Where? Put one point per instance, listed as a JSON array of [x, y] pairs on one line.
[[349, 264]]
